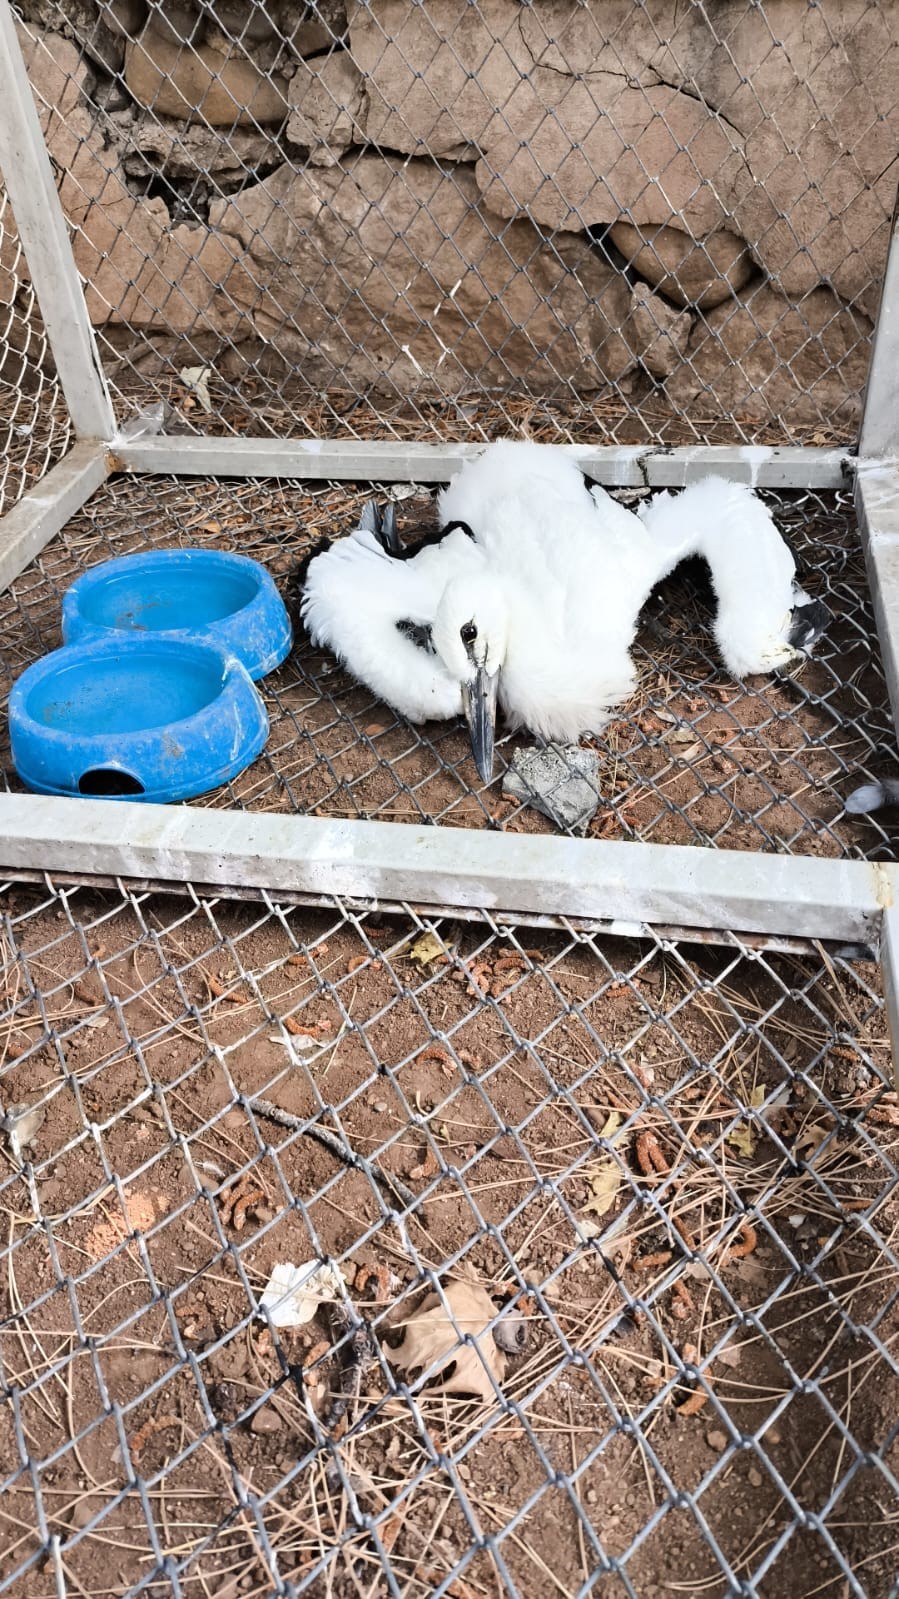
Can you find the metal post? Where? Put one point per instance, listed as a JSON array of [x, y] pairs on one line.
[[43, 231], [880, 420], [653, 884], [40, 513]]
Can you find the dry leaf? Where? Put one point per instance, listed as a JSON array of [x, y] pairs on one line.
[[373, 729], [604, 1176], [432, 1338], [743, 1138], [426, 949], [429, 1166]]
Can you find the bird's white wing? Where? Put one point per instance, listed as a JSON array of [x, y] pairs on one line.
[[752, 568], [356, 601], [540, 475]]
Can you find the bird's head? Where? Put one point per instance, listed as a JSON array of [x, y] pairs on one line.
[[470, 634]]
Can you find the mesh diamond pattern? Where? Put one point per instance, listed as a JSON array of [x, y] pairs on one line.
[[670, 1171], [662, 225], [695, 758]]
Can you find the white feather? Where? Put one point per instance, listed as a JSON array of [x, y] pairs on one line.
[[752, 569]]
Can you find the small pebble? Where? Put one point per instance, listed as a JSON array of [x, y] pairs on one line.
[[716, 1441], [756, 1479], [379, 1106], [592, 1496], [266, 1420]]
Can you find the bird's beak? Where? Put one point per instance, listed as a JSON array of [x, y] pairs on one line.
[[479, 705]]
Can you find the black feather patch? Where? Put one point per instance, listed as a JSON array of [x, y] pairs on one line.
[[408, 552], [808, 623], [390, 539], [418, 633], [296, 581]]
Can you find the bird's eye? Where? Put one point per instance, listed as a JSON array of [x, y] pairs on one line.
[[468, 633]]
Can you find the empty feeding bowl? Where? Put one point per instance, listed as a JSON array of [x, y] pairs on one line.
[[141, 719], [226, 600]]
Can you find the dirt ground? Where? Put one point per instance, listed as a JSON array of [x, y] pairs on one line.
[[677, 1164], [695, 758]]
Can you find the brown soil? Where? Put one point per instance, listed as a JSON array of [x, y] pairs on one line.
[[695, 758], [158, 1437]]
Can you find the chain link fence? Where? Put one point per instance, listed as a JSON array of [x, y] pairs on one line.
[[647, 224], [662, 1179], [696, 758], [593, 1239], [35, 425]]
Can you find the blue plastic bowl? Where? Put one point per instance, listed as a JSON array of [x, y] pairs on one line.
[[208, 595], [135, 718]]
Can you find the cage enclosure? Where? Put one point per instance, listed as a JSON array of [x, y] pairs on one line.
[[574, 1156]]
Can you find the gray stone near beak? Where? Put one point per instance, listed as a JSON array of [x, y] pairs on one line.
[[560, 780]]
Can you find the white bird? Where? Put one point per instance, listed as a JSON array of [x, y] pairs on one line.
[[532, 591]]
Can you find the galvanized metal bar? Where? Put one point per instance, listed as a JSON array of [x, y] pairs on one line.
[[43, 231], [889, 966], [40, 513], [621, 883], [385, 460], [877, 507], [879, 434]]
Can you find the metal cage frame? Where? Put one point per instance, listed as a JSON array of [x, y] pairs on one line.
[[621, 886]]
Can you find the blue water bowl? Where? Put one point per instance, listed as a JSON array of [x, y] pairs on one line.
[[226, 600], [135, 718]]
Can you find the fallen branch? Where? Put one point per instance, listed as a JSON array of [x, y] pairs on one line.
[[341, 1150]]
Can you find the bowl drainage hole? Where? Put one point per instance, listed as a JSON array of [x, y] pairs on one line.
[[106, 780]]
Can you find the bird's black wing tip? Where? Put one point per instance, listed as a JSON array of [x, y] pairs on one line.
[[389, 533], [807, 624], [296, 581]]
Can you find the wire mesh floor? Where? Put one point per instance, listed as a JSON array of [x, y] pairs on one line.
[[675, 1169], [695, 757]]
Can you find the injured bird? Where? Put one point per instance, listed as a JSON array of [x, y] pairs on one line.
[[527, 597]]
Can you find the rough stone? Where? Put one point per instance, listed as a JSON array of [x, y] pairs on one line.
[[771, 361], [656, 332], [691, 272], [813, 90], [225, 89], [182, 23], [266, 1420], [96, 27], [426, 289], [137, 268], [317, 29], [247, 19], [559, 780], [812, 214], [584, 40], [325, 104], [655, 154], [438, 76], [167, 146]]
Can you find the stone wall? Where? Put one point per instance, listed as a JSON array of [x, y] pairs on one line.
[[544, 198]]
